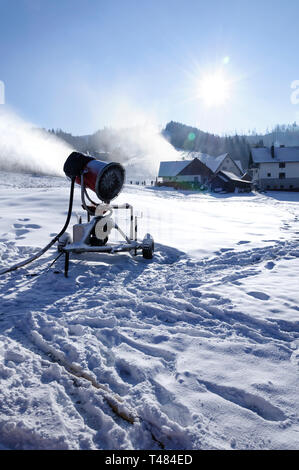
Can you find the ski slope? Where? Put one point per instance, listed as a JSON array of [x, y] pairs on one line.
[[195, 349]]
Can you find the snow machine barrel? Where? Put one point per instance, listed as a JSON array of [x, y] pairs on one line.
[[106, 179]]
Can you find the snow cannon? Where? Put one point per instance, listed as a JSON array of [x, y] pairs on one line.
[[106, 179]]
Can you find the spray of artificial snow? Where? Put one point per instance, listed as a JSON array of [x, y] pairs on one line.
[[24, 148], [134, 140], [132, 136], [139, 149]]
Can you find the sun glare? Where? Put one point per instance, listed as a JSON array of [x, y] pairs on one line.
[[214, 89]]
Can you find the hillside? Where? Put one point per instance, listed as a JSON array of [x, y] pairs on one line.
[[135, 143]]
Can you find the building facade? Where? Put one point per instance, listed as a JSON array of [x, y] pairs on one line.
[[204, 171], [222, 162], [276, 168], [230, 183], [184, 173]]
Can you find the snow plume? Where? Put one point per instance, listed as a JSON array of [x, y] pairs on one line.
[[140, 149], [24, 148], [132, 136]]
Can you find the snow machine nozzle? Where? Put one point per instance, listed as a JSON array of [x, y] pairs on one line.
[[106, 179]]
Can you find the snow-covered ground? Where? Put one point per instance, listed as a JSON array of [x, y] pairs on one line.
[[195, 349]]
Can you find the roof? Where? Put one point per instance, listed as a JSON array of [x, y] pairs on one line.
[[281, 154], [172, 168], [211, 162], [247, 177], [230, 176], [239, 165]]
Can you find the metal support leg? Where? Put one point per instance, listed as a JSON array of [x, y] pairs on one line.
[[66, 263], [135, 233], [131, 222]]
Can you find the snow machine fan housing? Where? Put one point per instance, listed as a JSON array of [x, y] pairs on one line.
[[106, 179]]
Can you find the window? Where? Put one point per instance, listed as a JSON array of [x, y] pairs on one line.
[[282, 165], [268, 174], [281, 186], [282, 176]]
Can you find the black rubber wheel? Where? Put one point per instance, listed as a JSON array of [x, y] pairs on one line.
[[148, 247], [147, 253]]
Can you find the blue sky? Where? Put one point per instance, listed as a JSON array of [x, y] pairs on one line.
[[81, 65]]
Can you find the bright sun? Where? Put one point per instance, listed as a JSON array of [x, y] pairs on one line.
[[214, 89]]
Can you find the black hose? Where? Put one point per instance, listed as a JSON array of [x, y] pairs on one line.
[[54, 240]]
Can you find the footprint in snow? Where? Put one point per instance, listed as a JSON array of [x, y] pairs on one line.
[[35, 226], [20, 232], [251, 402], [26, 226], [22, 229], [160, 338], [270, 265], [259, 295]]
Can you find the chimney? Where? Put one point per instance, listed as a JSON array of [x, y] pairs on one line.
[[272, 151]]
